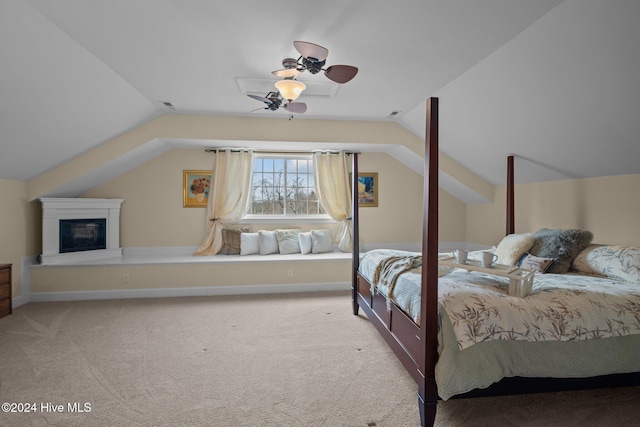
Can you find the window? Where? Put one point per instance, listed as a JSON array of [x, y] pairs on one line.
[[284, 186]]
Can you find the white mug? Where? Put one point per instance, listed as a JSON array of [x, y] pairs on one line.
[[488, 258], [461, 256]]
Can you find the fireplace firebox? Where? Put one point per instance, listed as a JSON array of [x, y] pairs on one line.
[[83, 234]]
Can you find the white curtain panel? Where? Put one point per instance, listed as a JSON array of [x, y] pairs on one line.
[[332, 186], [231, 186]]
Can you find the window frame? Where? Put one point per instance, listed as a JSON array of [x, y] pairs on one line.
[[250, 218]]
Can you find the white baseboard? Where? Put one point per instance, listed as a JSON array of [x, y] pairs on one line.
[[188, 292]]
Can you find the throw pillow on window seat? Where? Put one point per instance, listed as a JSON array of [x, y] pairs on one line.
[[249, 244], [321, 241], [288, 241], [231, 240], [305, 242], [268, 242]]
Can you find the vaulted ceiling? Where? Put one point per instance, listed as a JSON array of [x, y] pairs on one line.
[[553, 82]]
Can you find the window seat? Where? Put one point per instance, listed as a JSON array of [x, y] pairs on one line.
[[173, 272], [181, 255]]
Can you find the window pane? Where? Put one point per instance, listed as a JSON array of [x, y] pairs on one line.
[[284, 186]]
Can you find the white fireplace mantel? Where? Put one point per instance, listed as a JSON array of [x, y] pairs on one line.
[[56, 209]]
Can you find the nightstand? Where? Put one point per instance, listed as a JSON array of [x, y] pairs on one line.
[[5, 289]]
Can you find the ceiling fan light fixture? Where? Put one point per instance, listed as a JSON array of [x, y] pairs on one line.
[[290, 89], [286, 72]]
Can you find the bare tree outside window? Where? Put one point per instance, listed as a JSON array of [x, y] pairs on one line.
[[284, 186]]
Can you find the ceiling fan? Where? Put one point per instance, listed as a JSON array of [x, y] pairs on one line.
[[274, 101], [313, 58]]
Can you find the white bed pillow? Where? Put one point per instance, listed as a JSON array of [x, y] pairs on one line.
[[321, 241], [288, 242], [268, 242], [249, 244], [305, 242], [615, 262], [512, 247]]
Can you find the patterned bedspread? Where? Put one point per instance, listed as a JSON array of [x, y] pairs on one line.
[[561, 307]]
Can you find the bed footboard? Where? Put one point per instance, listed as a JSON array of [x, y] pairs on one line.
[[398, 330], [401, 334]]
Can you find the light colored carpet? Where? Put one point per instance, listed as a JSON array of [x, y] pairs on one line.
[[269, 360]]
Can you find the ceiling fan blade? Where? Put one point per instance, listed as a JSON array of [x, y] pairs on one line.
[[261, 99], [296, 107], [311, 50], [286, 72], [341, 73]]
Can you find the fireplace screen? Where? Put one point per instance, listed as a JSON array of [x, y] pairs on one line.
[[83, 234]]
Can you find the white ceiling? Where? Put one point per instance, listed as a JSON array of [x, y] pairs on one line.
[[554, 82]]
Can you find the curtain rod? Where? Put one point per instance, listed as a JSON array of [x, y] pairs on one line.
[[237, 150]]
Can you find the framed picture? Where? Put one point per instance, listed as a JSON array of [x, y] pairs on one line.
[[196, 185], [367, 190]]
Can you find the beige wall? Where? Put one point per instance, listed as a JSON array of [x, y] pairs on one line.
[[607, 206], [398, 217], [19, 228], [152, 212], [152, 215]]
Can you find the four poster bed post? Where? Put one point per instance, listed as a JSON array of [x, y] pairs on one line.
[[428, 353], [355, 229], [415, 346], [423, 339]]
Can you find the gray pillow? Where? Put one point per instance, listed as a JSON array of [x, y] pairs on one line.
[[268, 242], [561, 245], [321, 241], [288, 242]]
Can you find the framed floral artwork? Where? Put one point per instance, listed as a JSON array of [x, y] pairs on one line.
[[196, 186]]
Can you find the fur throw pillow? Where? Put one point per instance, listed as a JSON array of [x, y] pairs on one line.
[[561, 245], [512, 247]]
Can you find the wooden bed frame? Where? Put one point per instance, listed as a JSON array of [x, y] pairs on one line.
[[417, 346]]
